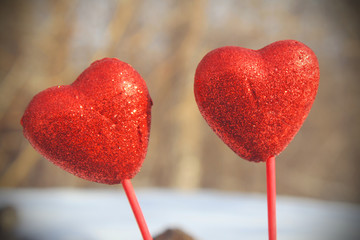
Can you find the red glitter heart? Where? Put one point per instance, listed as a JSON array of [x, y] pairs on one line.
[[257, 100], [98, 127]]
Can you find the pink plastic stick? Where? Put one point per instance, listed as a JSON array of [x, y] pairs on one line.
[[271, 197], [130, 193]]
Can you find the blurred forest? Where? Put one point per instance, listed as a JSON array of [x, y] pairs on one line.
[[48, 43]]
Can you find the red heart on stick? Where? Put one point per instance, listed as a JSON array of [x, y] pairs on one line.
[[96, 128], [257, 100]]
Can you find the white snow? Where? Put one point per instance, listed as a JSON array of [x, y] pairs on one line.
[[92, 214]]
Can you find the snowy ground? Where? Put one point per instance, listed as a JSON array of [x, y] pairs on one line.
[[93, 214]]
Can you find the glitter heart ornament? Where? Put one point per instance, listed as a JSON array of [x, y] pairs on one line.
[[257, 100], [98, 127]]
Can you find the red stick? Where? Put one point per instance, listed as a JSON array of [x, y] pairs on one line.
[[271, 197], [130, 193]]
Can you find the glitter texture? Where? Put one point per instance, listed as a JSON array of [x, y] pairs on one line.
[[96, 128], [257, 100]]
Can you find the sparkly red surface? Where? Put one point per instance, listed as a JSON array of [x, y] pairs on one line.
[[257, 100], [98, 127]]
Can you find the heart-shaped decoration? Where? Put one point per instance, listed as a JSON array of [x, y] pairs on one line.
[[257, 100], [98, 127]]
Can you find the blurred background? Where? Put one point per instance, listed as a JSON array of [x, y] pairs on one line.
[[48, 43]]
